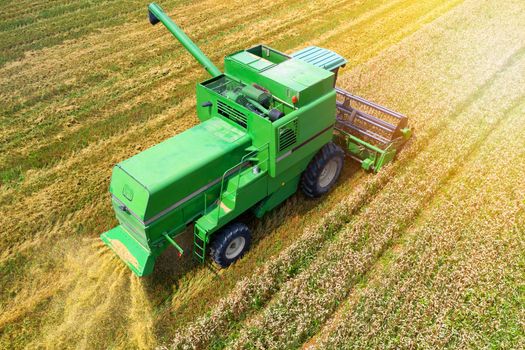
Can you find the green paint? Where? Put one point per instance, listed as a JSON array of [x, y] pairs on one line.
[[262, 121]]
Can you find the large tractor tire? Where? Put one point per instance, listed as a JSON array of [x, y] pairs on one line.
[[323, 171], [230, 244]]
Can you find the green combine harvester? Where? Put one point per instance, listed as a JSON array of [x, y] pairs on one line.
[[268, 125]]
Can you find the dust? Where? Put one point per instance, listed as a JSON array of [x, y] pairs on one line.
[[95, 306], [140, 316]]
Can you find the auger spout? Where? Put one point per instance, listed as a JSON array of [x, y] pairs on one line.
[[156, 15]]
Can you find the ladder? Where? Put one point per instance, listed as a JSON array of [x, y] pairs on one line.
[[224, 208], [199, 244]]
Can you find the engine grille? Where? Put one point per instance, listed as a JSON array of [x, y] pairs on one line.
[[287, 135], [231, 113]]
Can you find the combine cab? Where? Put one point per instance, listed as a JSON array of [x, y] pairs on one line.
[[268, 126]]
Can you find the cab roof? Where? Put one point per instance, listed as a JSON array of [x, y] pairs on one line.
[[320, 57]]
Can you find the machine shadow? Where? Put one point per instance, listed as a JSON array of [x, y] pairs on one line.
[[171, 267]]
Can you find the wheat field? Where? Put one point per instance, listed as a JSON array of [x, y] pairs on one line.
[[428, 253]]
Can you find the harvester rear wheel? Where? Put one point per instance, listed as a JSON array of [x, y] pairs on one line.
[[230, 244], [323, 171]]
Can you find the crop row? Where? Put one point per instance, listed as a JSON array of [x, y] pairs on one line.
[[250, 293], [54, 25], [296, 312], [452, 282]]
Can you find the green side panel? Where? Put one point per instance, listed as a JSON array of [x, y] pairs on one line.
[[295, 142], [161, 190], [131, 224], [285, 190], [177, 167], [139, 259], [129, 191]]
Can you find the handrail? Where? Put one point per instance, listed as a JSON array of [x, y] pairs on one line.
[[240, 167], [222, 183], [243, 159]]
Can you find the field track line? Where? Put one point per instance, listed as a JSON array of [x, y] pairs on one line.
[[427, 235], [131, 97], [28, 6], [65, 23], [59, 15]]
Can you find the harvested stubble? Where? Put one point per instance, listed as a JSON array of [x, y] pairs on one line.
[[252, 291], [129, 85]]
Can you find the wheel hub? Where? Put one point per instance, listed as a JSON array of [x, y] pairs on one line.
[[235, 247], [328, 174]]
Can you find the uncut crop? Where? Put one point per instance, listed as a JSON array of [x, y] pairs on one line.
[[305, 302], [455, 279], [280, 316]]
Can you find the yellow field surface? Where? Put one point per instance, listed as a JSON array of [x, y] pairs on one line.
[[428, 253]]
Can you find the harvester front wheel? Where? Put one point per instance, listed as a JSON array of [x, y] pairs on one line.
[[230, 244], [323, 171]]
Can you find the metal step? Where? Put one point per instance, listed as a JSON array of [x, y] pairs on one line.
[[223, 209]]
